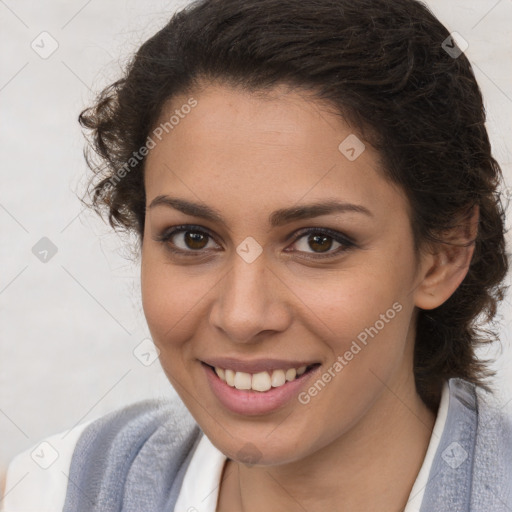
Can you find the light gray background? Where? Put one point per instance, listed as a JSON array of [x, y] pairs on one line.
[[68, 327]]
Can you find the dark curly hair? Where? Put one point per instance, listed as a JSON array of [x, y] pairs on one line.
[[386, 66]]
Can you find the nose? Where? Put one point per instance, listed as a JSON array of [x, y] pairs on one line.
[[250, 302]]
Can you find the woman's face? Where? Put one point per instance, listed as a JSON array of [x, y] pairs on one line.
[[269, 282]]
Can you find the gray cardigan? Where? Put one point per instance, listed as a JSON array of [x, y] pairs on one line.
[[134, 459]]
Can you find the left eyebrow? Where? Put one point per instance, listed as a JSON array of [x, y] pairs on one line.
[[308, 211], [276, 218]]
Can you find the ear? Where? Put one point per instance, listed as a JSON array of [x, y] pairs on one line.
[[444, 268]]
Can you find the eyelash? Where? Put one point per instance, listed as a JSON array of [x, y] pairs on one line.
[[165, 237]]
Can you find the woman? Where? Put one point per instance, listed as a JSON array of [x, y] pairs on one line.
[[320, 226]]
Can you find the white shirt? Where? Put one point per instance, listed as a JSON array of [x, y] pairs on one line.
[[37, 478], [200, 489]]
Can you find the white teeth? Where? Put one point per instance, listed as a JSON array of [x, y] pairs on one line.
[[230, 377], [301, 370], [242, 380], [291, 374], [261, 381], [278, 378]]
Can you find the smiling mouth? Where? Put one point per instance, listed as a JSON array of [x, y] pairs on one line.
[[261, 381]]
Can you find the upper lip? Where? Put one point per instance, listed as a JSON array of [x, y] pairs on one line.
[[255, 365]]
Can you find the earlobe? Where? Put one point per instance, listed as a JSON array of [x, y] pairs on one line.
[[445, 267]]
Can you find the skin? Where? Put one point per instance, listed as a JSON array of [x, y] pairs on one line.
[[247, 155]]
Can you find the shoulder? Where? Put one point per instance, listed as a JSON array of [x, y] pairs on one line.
[[492, 450], [472, 467], [35, 478], [92, 455], [485, 413], [494, 424]]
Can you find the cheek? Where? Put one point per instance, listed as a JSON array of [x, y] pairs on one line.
[[175, 302], [369, 322], [346, 302], [365, 315], [165, 307], [164, 298], [157, 299]]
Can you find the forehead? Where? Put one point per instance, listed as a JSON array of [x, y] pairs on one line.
[[263, 148]]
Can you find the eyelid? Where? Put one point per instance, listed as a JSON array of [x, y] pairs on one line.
[[336, 235]]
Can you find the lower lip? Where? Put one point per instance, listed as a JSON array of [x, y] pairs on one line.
[[250, 402]]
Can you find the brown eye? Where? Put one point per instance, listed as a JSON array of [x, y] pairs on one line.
[[317, 243], [195, 239], [186, 240], [320, 243]]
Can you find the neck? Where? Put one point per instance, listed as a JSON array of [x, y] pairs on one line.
[[372, 466]]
